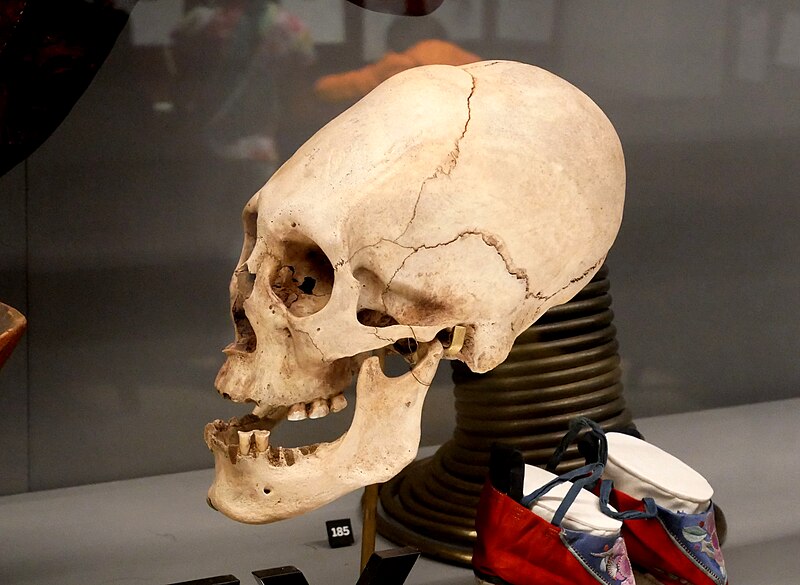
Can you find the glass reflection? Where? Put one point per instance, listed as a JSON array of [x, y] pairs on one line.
[[230, 59], [128, 225]]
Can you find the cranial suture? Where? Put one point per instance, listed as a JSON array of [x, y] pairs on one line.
[[466, 199]]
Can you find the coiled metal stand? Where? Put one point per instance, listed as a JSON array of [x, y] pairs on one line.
[[565, 365]]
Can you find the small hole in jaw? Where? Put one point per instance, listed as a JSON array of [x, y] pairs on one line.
[[267, 491]]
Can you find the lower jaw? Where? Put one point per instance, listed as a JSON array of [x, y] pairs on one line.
[[276, 485], [280, 483]]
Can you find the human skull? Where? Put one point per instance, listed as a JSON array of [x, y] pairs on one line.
[[450, 200]]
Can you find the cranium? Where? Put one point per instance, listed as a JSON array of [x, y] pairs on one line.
[[450, 199]]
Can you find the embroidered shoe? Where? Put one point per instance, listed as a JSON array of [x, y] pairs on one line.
[[668, 518], [679, 546], [555, 535]]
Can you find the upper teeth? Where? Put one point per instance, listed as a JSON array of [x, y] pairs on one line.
[[317, 408], [297, 412], [338, 402]]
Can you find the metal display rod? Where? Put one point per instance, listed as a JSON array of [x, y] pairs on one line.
[[370, 523]]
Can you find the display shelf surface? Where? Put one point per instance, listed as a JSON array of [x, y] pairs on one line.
[[158, 530]]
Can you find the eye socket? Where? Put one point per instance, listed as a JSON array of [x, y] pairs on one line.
[[304, 279]]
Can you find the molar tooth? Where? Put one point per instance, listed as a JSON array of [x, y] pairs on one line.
[[244, 441], [319, 408], [297, 412], [262, 440], [338, 403]]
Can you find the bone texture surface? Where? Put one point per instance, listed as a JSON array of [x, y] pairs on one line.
[[450, 206]]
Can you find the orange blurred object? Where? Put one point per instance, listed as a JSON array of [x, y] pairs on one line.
[[353, 85], [12, 325]]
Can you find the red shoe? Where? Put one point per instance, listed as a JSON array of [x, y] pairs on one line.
[[556, 535], [668, 518], [680, 545]]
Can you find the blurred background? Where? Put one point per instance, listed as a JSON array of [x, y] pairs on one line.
[[118, 236]]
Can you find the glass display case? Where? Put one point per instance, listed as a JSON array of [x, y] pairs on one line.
[[118, 237]]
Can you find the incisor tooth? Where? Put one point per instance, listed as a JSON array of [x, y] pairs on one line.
[[244, 442], [338, 403], [262, 440], [319, 408], [297, 412]]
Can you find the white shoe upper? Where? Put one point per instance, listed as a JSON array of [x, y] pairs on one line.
[[643, 470], [584, 514]]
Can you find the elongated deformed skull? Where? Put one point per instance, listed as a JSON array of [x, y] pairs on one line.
[[438, 217]]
